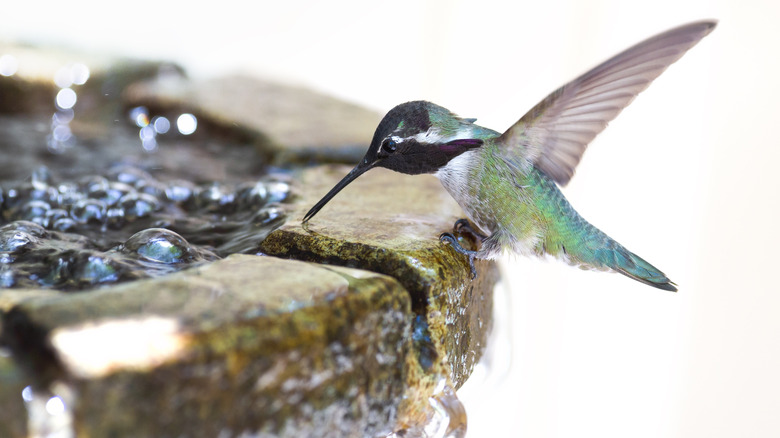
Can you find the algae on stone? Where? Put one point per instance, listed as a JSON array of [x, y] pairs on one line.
[[245, 344], [390, 223]]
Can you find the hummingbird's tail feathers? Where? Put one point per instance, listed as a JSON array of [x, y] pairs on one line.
[[633, 266], [592, 248]]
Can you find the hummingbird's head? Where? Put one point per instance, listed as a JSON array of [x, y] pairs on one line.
[[413, 138]]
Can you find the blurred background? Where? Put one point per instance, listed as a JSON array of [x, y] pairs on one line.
[[685, 177]]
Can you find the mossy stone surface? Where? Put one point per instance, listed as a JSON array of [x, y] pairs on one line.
[[390, 223], [244, 344]]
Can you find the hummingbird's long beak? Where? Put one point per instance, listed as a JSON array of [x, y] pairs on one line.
[[360, 169]]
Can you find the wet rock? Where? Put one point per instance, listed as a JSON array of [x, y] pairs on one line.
[[244, 345], [389, 223], [13, 416], [294, 123]]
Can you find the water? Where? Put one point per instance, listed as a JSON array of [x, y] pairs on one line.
[[444, 416], [126, 224]]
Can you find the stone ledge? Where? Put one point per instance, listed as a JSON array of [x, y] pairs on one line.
[[234, 346], [397, 235]]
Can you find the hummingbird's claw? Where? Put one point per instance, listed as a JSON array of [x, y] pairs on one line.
[[453, 242], [464, 226]]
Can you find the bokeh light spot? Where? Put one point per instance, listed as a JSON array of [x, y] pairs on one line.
[[66, 98], [55, 406], [79, 73], [8, 65], [140, 116], [187, 123], [161, 124]]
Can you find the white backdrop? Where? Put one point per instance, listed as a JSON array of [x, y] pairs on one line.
[[685, 177]]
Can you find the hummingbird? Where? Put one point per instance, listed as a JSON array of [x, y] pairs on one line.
[[508, 184]]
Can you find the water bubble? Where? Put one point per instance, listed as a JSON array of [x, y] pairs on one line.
[[94, 269], [96, 187], [53, 216], [66, 98], [151, 187], [129, 174], [278, 191], [138, 205], [216, 197], [41, 178], [8, 65], [186, 124], [34, 211], [159, 245], [112, 193], [252, 195], [180, 191], [88, 211], [267, 216], [64, 224], [115, 217], [68, 194]]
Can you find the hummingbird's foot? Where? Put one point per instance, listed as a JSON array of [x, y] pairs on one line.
[[464, 226], [453, 241]]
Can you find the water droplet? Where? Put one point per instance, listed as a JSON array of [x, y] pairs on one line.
[[53, 216], [159, 245], [41, 178], [95, 269], [64, 224], [88, 211], [129, 174], [449, 416], [179, 191], [34, 211], [278, 191], [138, 205], [216, 197], [252, 195]]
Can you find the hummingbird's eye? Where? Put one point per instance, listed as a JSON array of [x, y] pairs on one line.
[[389, 145]]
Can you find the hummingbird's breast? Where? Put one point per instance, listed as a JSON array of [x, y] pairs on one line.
[[497, 196]]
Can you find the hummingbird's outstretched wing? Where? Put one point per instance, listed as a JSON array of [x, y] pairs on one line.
[[553, 135]]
